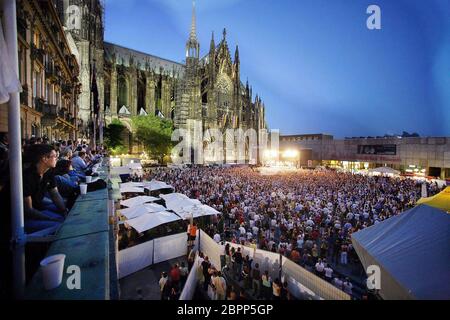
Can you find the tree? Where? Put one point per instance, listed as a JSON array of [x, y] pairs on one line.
[[114, 137], [155, 134]]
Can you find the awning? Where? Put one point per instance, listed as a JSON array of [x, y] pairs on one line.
[[157, 185], [385, 170], [137, 201], [149, 221], [177, 201], [440, 201], [134, 212], [412, 251], [196, 211]]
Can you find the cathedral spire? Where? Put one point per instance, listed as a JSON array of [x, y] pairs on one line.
[[224, 34], [192, 46], [236, 55], [212, 46], [193, 35]]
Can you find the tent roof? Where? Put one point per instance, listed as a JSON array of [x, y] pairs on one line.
[[149, 221], [177, 201], [440, 201], [137, 211], [413, 252], [385, 170], [157, 185], [196, 211], [137, 201]]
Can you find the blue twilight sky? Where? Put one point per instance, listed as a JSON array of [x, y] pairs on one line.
[[314, 62]]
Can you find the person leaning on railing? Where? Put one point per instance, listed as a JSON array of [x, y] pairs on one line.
[[42, 213]]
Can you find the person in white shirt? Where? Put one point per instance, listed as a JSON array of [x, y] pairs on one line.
[[217, 238], [347, 286], [320, 267], [162, 283], [242, 230], [328, 273]]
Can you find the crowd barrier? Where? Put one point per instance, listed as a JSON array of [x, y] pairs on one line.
[[139, 257], [302, 284]]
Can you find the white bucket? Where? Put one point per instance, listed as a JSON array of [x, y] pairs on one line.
[[83, 188], [52, 271]]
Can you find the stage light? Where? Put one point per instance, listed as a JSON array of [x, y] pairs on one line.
[[290, 154]]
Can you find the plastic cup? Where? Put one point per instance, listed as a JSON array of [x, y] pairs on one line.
[[52, 271], [83, 189], [88, 179]]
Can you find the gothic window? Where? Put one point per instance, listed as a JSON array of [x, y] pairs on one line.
[[123, 92], [224, 91]]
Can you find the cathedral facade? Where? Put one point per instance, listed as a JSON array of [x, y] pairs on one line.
[[206, 89]]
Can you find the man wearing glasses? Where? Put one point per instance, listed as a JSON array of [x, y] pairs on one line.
[[44, 207]]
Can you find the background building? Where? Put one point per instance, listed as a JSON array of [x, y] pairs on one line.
[[84, 22], [48, 71], [428, 156]]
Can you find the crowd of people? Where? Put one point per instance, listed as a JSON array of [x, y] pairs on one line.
[[52, 174], [307, 216]]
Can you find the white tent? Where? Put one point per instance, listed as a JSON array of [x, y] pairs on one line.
[[196, 211], [177, 201], [132, 184], [157, 185], [384, 171], [134, 212], [137, 201], [132, 190], [149, 221], [135, 166]]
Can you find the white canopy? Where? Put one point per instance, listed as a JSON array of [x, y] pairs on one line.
[[132, 184], [132, 190], [384, 170], [177, 201], [157, 185], [134, 212], [135, 166], [137, 201], [149, 221], [196, 211]]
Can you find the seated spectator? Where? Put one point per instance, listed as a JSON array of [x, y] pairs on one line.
[[78, 162], [37, 182], [67, 187]]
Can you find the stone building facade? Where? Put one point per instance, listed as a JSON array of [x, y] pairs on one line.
[[48, 71], [427, 155], [83, 20]]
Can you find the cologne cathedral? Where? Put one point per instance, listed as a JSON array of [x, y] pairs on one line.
[[205, 88]]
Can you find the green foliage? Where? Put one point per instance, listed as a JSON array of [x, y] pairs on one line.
[[155, 134], [114, 137]]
